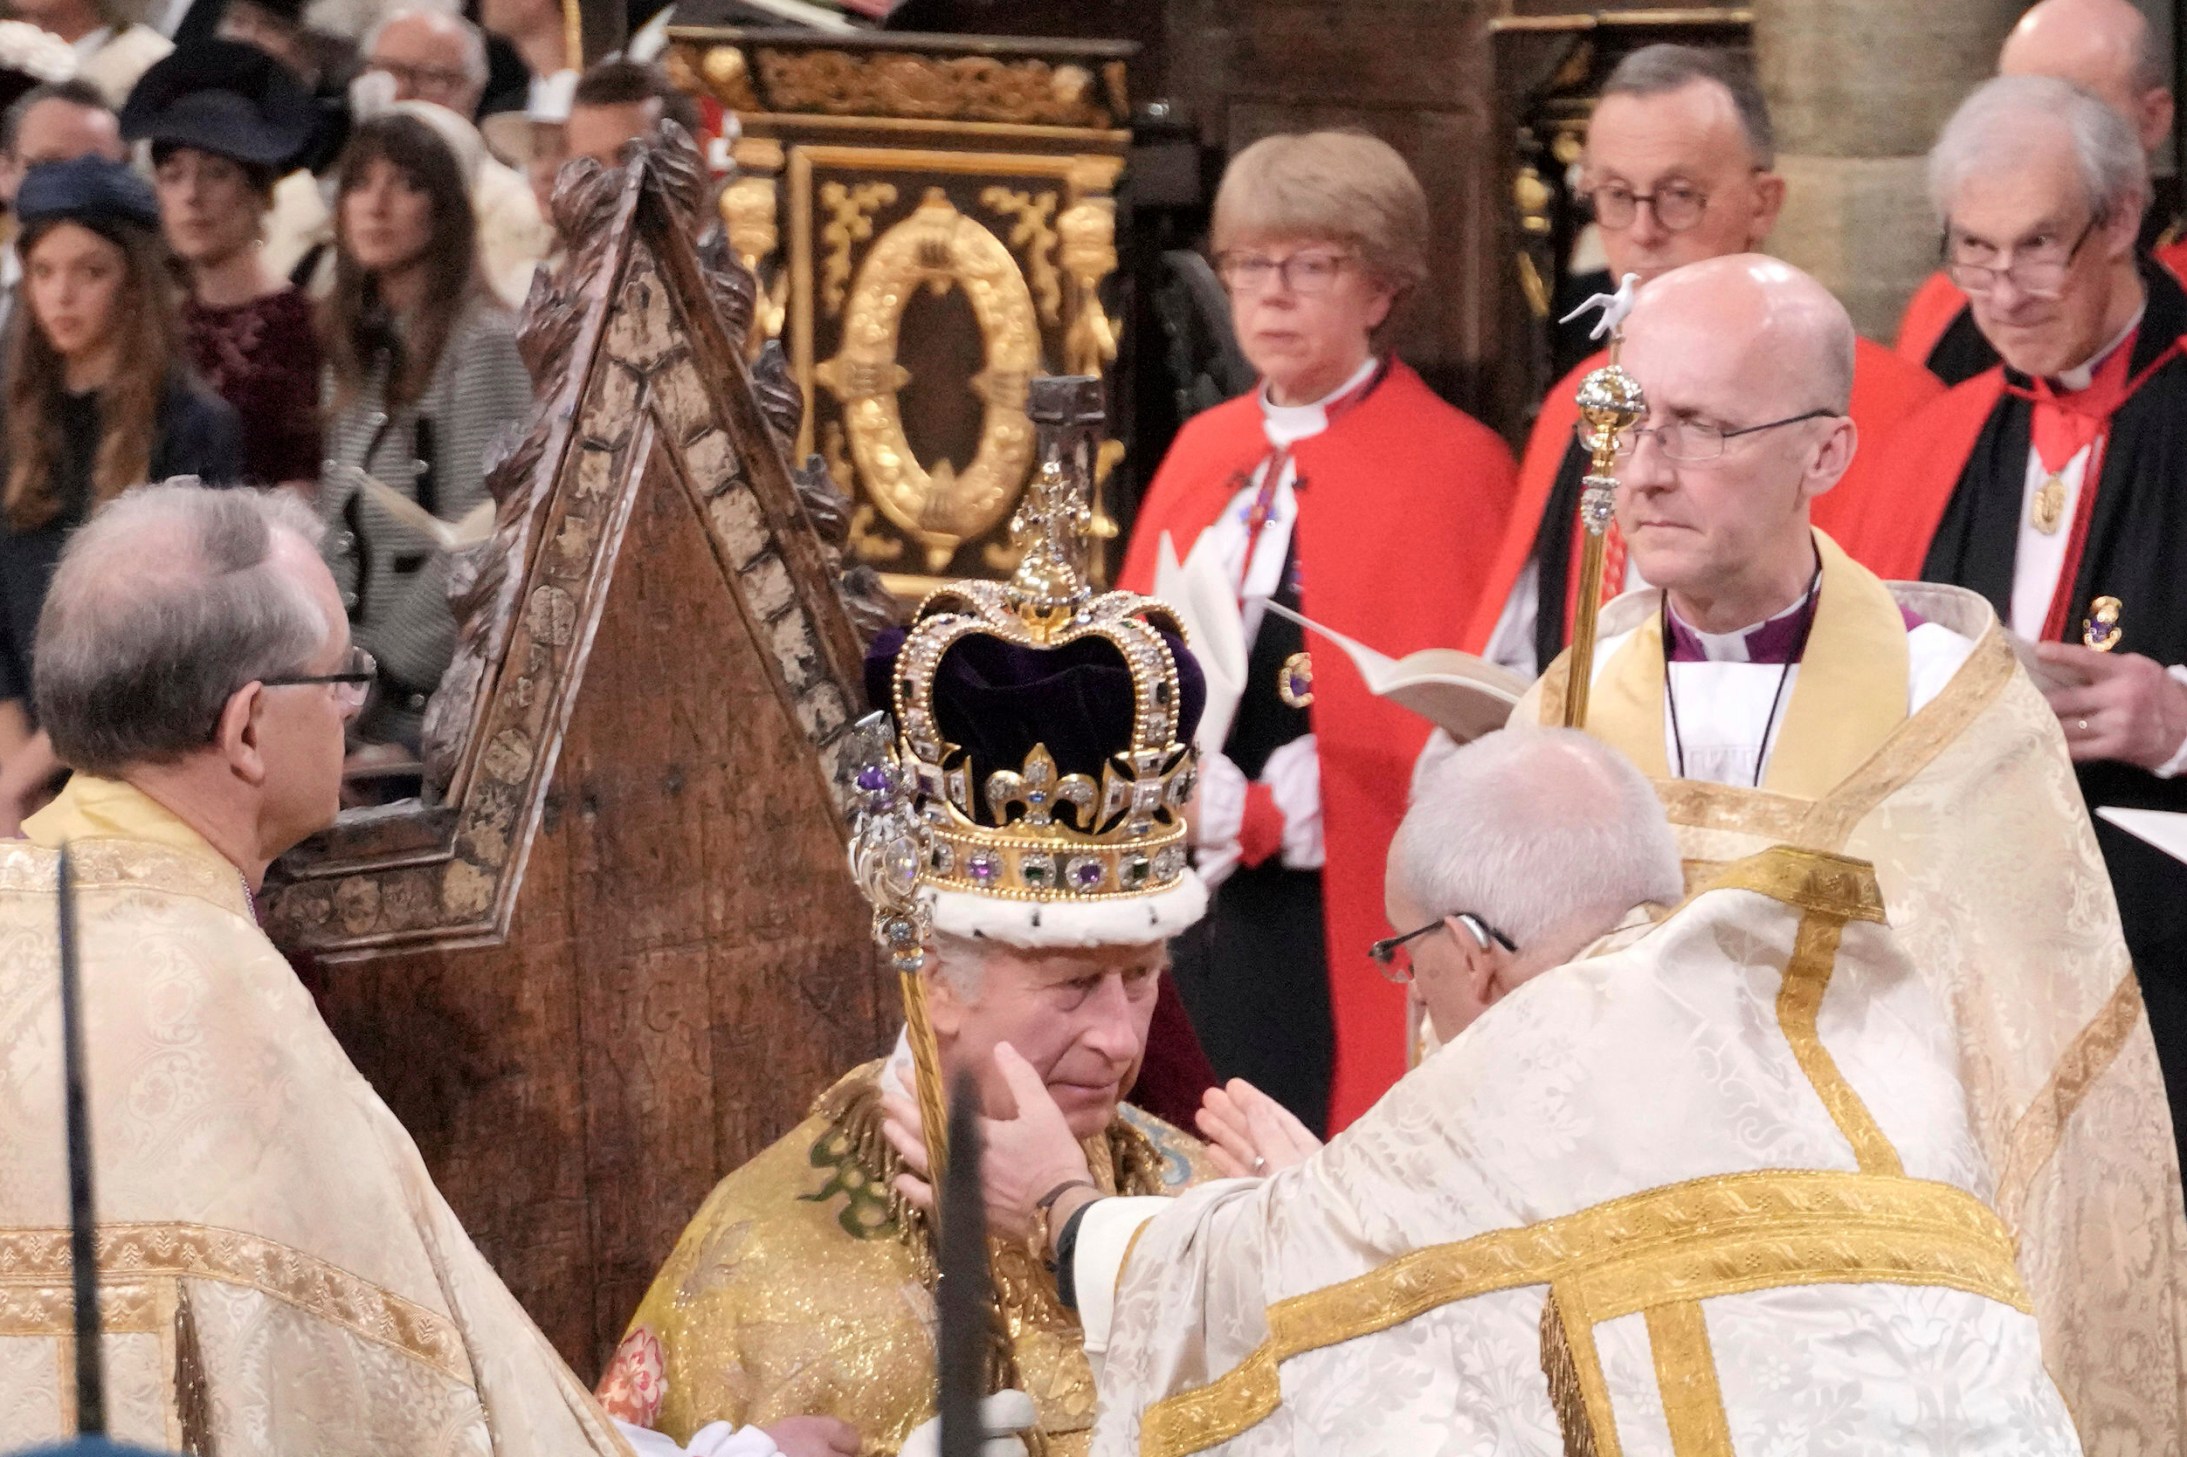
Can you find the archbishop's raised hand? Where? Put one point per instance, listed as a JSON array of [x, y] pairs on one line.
[[1250, 1134], [1028, 1153]]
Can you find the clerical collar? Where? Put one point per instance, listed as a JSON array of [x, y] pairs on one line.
[[2081, 376], [1289, 424], [1773, 640]]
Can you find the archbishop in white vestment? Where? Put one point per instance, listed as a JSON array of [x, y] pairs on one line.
[[1710, 1187]]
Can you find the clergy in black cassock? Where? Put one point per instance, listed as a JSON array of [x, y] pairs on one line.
[[2055, 484]]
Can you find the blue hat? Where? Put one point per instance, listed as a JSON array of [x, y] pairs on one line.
[[101, 195], [223, 97]]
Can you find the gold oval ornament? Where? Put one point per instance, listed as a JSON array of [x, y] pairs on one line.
[[2100, 629], [939, 249], [1295, 684]]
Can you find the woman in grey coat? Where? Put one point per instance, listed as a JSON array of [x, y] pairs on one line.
[[422, 373]]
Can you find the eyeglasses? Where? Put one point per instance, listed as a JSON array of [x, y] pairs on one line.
[[1677, 205], [422, 80], [1305, 274], [1689, 442], [2036, 267], [360, 670], [1384, 952]]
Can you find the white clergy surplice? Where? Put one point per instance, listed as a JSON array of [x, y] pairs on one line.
[[1711, 1187], [1728, 691]]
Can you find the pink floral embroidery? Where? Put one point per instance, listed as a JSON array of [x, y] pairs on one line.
[[636, 1381]]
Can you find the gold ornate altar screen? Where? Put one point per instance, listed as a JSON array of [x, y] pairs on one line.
[[934, 221]]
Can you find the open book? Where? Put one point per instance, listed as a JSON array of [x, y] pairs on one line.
[[476, 525], [2162, 828], [1460, 694], [1197, 591]]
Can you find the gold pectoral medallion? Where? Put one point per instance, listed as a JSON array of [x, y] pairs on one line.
[[2047, 513], [2100, 629], [1295, 684]]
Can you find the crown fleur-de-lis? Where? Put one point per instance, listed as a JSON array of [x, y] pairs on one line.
[[1039, 791]]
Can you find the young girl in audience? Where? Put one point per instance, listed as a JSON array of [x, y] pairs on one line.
[[421, 374], [224, 121], [98, 398]]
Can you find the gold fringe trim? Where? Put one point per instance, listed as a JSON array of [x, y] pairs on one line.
[[193, 1398], [1687, 1242], [1561, 1370]]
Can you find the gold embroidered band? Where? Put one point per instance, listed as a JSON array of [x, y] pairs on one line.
[[1799, 1010], [1686, 1242], [2089, 1056], [1685, 1374], [35, 1298]]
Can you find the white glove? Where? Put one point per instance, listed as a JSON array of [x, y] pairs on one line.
[[1002, 1417], [715, 1439]]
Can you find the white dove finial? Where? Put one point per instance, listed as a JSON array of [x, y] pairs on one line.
[[1614, 307]]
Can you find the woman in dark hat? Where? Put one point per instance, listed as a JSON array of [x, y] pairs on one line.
[[99, 398], [225, 121]]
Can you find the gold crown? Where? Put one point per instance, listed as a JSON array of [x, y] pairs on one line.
[[1049, 836]]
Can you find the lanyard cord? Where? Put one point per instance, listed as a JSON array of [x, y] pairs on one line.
[[1776, 699]]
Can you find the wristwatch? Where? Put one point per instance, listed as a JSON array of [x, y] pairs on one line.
[[1037, 1239]]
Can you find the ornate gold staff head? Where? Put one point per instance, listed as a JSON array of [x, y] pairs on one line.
[[1611, 402]]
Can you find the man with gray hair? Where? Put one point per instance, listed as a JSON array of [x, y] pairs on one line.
[[2051, 484], [1642, 1181], [2108, 49], [280, 1274], [1678, 171]]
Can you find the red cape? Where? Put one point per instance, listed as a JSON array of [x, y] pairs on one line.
[[1938, 301], [1928, 314], [1923, 461], [1403, 500], [1886, 389]]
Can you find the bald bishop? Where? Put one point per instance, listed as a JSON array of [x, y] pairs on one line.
[[1778, 692]]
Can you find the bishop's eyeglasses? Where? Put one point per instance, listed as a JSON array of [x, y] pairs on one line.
[[1384, 953], [1692, 442], [2037, 266], [360, 670]]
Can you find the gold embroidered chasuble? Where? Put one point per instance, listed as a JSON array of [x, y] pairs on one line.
[[280, 1276], [803, 1285], [1991, 876], [1708, 1188]]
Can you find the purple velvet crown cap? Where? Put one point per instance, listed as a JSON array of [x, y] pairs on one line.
[[998, 699]]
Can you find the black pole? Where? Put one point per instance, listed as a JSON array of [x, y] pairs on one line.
[[2179, 101], [967, 1322], [82, 1217]]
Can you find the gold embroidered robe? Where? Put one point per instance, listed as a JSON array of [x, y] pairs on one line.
[[1971, 815], [1708, 1188], [804, 1286], [280, 1277]]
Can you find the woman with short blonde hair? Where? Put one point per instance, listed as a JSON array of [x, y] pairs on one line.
[[1342, 187], [1342, 488]]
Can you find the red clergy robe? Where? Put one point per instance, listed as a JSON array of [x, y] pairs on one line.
[[1937, 332], [1886, 390], [1958, 479], [1400, 502]]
